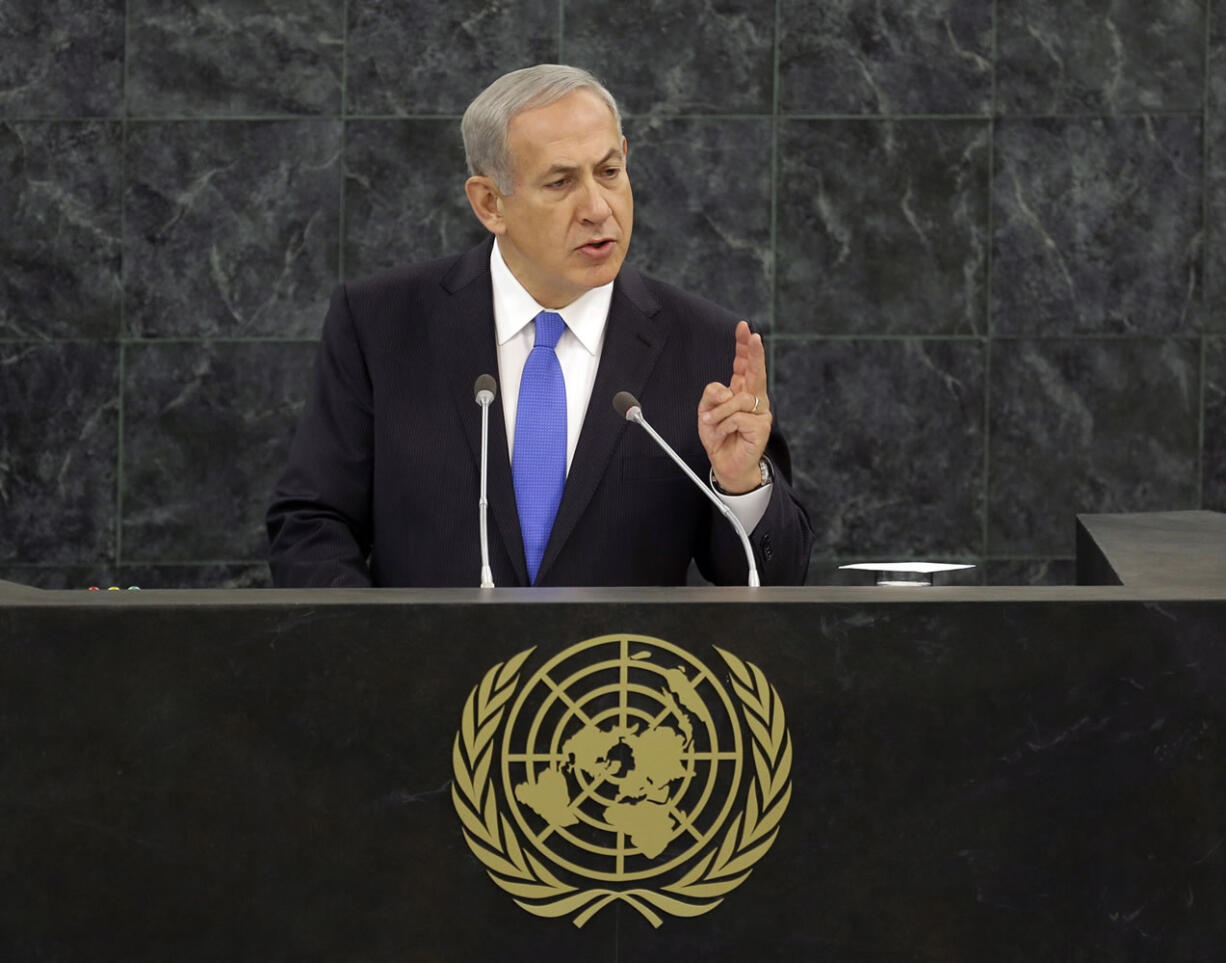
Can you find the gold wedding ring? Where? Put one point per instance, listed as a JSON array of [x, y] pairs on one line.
[[756, 401]]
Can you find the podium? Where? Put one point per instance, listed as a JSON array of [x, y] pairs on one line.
[[1010, 774]]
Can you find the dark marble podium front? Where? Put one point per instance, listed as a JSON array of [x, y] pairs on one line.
[[1004, 774]]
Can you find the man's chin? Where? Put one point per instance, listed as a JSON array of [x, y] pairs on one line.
[[601, 273]]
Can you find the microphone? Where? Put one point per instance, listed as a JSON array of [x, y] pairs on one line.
[[484, 390], [628, 407]]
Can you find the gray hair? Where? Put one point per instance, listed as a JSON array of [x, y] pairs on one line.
[[489, 116]]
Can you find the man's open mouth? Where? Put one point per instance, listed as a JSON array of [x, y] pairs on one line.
[[598, 247]]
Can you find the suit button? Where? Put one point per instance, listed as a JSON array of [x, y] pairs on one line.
[[767, 551]]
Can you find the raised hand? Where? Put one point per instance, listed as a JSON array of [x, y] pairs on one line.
[[734, 420]]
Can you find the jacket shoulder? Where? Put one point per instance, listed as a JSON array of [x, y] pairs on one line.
[[407, 279]]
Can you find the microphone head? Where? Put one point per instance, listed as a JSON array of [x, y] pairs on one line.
[[624, 402], [484, 389]]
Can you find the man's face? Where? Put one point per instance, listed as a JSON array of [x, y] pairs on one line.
[[566, 228]]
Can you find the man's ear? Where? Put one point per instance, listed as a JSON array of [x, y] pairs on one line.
[[486, 202]]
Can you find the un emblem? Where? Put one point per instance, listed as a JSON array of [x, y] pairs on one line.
[[618, 772]]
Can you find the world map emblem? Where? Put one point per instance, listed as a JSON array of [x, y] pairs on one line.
[[623, 769]]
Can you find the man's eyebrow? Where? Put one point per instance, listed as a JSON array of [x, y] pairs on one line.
[[614, 153]]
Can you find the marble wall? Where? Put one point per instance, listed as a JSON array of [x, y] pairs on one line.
[[983, 239]]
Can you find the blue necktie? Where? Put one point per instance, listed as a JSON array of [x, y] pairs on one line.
[[538, 467]]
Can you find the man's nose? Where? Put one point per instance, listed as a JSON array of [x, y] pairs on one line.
[[593, 205]]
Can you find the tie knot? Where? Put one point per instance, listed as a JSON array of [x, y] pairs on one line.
[[549, 328]]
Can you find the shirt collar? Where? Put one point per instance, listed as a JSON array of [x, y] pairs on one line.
[[514, 307]]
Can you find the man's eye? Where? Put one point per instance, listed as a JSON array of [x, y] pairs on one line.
[[560, 182], [612, 171]]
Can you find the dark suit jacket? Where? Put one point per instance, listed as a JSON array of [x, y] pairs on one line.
[[384, 473]]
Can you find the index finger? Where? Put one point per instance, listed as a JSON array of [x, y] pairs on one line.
[[750, 361]]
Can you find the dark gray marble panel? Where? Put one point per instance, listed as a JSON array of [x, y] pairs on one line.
[[1097, 225], [921, 57], [1215, 174], [214, 576], [672, 56], [57, 576], [1214, 466], [61, 58], [404, 194], [58, 452], [1090, 55], [434, 56], [887, 443], [206, 434], [232, 228], [1030, 571], [703, 207], [1088, 426], [882, 226], [209, 58], [59, 248]]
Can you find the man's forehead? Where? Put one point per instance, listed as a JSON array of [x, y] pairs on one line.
[[580, 122]]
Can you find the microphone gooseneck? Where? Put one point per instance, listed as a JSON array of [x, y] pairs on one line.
[[485, 388], [626, 405]]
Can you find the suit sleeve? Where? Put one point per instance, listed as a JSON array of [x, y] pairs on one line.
[[319, 522]]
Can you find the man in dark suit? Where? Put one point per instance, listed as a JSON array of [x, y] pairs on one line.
[[383, 481]]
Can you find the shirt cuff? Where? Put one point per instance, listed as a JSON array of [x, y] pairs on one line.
[[749, 507]]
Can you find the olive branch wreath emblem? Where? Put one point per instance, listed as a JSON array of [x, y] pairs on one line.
[[704, 885]]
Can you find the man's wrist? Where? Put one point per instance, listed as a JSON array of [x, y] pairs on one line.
[[763, 477]]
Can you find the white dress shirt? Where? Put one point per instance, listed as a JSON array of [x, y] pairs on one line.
[[578, 352]]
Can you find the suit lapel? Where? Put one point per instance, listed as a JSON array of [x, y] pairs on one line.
[[467, 348], [634, 337]]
